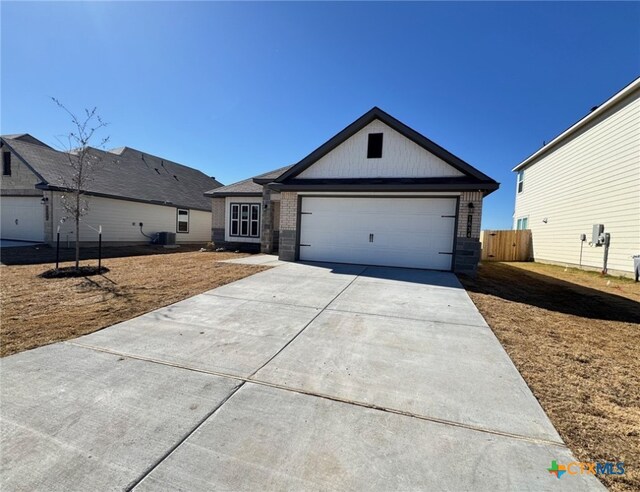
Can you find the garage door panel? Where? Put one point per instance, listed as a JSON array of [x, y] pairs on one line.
[[22, 218], [409, 232], [421, 242]]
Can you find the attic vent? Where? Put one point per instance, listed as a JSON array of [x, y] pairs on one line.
[[374, 148], [157, 170]]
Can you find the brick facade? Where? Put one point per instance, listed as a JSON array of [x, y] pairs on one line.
[[218, 221], [467, 252], [266, 232], [288, 225]]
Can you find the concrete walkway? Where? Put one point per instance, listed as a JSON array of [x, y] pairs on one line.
[[261, 259], [302, 377], [10, 243]]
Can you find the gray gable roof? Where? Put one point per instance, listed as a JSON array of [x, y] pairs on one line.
[[271, 175], [126, 174], [25, 137], [377, 114], [248, 187], [244, 187]]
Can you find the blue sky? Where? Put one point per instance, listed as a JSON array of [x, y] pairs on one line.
[[236, 89]]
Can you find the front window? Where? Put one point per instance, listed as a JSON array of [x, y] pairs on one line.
[[244, 220], [523, 223], [520, 181], [183, 220]]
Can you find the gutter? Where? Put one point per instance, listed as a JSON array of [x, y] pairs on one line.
[[47, 187], [608, 104], [231, 193], [485, 188]]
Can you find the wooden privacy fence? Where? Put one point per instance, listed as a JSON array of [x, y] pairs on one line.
[[506, 245]]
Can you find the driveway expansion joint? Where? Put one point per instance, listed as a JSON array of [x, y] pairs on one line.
[[187, 435], [320, 311], [211, 294], [371, 406], [407, 318]]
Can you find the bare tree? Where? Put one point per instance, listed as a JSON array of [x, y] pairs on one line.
[[83, 161]]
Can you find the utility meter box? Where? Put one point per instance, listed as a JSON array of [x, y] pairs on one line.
[[598, 230]]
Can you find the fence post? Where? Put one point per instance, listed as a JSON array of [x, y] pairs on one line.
[[58, 248], [99, 249]]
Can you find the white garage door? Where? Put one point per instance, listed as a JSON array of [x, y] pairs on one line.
[[22, 218], [402, 232]]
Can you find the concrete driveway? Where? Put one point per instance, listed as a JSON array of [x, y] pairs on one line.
[[302, 377]]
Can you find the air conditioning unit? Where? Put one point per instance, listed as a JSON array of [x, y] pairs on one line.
[[167, 238]]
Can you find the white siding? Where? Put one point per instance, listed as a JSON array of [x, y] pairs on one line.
[[120, 218], [199, 227], [592, 178], [227, 215], [401, 157]]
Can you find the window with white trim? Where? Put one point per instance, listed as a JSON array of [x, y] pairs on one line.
[[523, 223], [520, 181], [244, 220], [183, 220]]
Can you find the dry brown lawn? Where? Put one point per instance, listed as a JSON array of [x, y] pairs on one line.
[[575, 337], [38, 311]]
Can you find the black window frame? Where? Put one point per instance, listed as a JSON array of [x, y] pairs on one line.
[[375, 144], [6, 163], [252, 221], [178, 221], [520, 181]]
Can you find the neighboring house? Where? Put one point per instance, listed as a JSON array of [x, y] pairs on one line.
[[589, 174], [128, 187], [377, 193]]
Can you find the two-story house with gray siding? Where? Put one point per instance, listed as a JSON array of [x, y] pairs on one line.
[[589, 174]]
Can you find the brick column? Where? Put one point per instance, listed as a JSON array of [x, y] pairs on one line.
[[266, 232], [467, 253], [288, 225], [218, 221]]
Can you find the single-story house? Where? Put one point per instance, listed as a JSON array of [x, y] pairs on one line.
[[132, 195], [587, 175], [377, 193]]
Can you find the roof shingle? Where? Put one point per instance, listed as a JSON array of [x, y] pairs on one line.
[[248, 186], [128, 174]]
